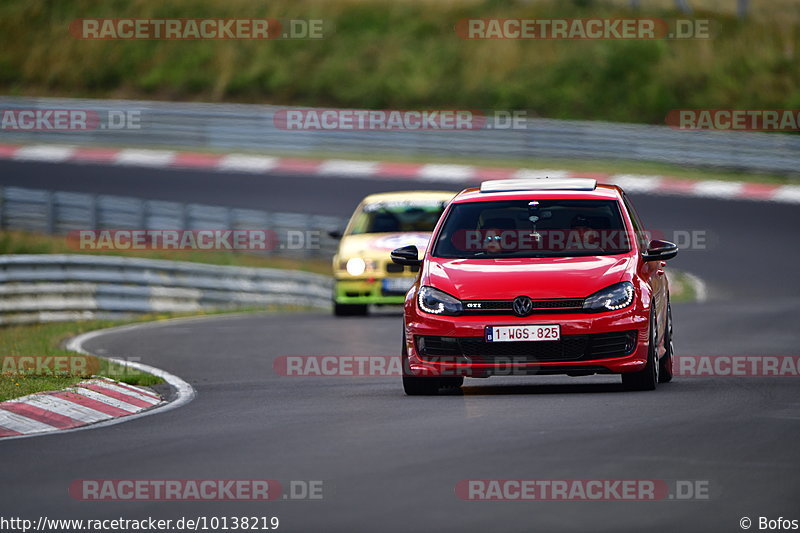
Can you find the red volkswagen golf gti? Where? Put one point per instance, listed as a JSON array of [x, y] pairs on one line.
[[538, 276]]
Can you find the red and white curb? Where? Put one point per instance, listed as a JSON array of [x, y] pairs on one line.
[[88, 402], [94, 403], [456, 174]]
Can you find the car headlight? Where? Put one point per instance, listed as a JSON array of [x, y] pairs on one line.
[[356, 266], [611, 298], [438, 302]]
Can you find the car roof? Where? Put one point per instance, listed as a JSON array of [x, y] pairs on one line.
[[444, 196], [600, 192]]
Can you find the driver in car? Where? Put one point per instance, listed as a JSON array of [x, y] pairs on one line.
[[582, 235]]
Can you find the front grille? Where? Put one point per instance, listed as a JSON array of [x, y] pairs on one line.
[[503, 307], [569, 348], [394, 268]]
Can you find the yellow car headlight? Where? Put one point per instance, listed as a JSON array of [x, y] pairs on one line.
[[356, 266]]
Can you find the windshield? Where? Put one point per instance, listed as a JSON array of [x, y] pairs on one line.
[[532, 228], [397, 216]]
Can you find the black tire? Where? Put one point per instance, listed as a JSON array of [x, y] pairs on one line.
[[424, 386], [417, 386], [647, 378], [665, 370], [349, 309], [429, 386]]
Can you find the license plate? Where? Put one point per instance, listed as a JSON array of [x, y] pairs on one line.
[[397, 284], [550, 332]]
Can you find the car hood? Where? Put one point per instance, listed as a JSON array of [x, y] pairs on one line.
[[379, 245], [505, 279]]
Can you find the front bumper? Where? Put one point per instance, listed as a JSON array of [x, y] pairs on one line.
[[365, 291], [573, 326]]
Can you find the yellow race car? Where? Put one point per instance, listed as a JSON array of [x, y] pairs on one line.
[[362, 268]]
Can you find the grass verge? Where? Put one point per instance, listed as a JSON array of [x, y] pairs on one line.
[[403, 55], [48, 340], [681, 287], [20, 242]]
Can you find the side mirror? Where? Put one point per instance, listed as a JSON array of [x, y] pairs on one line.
[[659, 250], [335, 234], [407, 255]]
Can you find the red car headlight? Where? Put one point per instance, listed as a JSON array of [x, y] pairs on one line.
[[438, 302], [613, 298]]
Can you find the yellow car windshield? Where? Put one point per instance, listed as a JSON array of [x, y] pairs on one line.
[[397, 216]]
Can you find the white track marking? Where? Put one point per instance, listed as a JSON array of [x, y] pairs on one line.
[[718, 189], [788, 194], [348, 168], [145, 158], [44, 152], [636, 182], [447, 173], [247, 163], [453, 173]]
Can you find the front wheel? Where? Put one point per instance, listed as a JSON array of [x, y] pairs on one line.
[[647, 378], [429, 386], [417, 386], [424, 385], [665, 372]]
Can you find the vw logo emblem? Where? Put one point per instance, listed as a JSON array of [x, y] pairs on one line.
[[522, 306]]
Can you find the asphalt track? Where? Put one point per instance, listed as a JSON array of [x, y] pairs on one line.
[[390, 462]]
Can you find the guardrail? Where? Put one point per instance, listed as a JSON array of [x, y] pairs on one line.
[[55, 213], [251, 127], [48, 288]]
